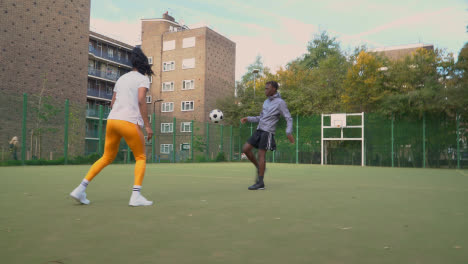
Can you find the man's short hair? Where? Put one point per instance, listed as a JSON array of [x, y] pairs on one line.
[[273, 84]]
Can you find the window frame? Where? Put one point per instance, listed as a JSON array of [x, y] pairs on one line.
[[161, 146], [166, 103], [169, 126], [182, 126], [164, 85], [184, 85], [170, 63], [183, 103]]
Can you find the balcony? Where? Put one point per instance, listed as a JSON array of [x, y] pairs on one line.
[[99, 93], [94, 113], [102, 74], [105, 55], [92, 133]]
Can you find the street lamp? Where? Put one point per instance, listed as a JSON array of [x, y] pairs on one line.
[[153, 157], [154, 103], [255, 71]]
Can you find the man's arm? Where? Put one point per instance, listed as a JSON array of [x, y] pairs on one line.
[[289, 121], [113, 99], [251, 119], [144, 111]]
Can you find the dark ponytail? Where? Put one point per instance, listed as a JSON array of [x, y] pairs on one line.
[[140, 62]]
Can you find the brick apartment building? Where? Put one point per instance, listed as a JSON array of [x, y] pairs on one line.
[[108, 59], [193, 68], [43, 51], [401, 51]]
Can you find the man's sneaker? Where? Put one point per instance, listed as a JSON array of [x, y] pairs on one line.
[[257, 186], [79, 196], [138, 200]]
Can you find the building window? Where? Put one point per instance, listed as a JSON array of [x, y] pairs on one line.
[[165, 148], [110, 52], [186, 127], [169, 45], [187, 106], [168, 86], [119, 55], [188, 63], [169, 66], [109, 90], [185, 146], [167, 107], [166, 128], [188, 85], [149, 118], [188, 42], [150, 60], [148, 99]]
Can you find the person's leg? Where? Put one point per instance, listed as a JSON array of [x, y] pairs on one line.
[[111, 148], [110, 151], [136, 141], [247, 150], [261, 164]]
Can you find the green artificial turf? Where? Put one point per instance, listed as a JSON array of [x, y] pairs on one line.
[[203, 213]]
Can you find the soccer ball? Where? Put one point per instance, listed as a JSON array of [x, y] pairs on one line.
[[216, 116]]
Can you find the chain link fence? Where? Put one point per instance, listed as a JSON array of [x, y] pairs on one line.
[[52, 132]]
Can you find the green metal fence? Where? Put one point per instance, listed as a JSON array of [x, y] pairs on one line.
[[63, 132]]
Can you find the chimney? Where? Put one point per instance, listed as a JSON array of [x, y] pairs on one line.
[[168, 17]]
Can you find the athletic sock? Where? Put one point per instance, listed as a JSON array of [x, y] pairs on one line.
[[260, 179], [83, 185], [136, 189]]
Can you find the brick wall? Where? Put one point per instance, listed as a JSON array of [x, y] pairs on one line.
[[44, 48]]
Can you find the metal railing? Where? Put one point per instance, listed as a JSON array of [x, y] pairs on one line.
[[105, 55], [103, 74], [99, 93]]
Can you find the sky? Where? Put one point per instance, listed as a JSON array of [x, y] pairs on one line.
[[280, 30]]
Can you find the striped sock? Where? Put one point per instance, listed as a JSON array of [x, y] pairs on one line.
[[84, 183], [136, 188]]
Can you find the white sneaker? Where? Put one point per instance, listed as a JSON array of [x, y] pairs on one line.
[[79, 196], [138, 200]]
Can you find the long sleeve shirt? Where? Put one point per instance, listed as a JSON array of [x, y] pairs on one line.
[[273, 107]]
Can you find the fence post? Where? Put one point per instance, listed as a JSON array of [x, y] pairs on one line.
[[128, 154], [23, 129], [393, 141], [207, 141], [239, 143], [191, 140], [458, 140], [174, 139], [100, 129], [153, 140], [65, 141], [222, 135], [230, 146], [424, 139], [297, 139]]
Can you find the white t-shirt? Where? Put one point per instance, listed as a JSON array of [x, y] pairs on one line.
[[126, 101]]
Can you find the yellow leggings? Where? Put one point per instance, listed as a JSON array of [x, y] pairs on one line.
[[115, 130]]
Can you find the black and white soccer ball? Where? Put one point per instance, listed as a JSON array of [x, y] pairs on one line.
[[216, 116]]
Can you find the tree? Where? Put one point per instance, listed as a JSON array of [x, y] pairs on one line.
[[364, 84]]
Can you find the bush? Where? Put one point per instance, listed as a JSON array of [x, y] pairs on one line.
[[201, 158], [90, 159], [220, 157]]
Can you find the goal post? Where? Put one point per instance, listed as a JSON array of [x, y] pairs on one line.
[[339, 121]]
